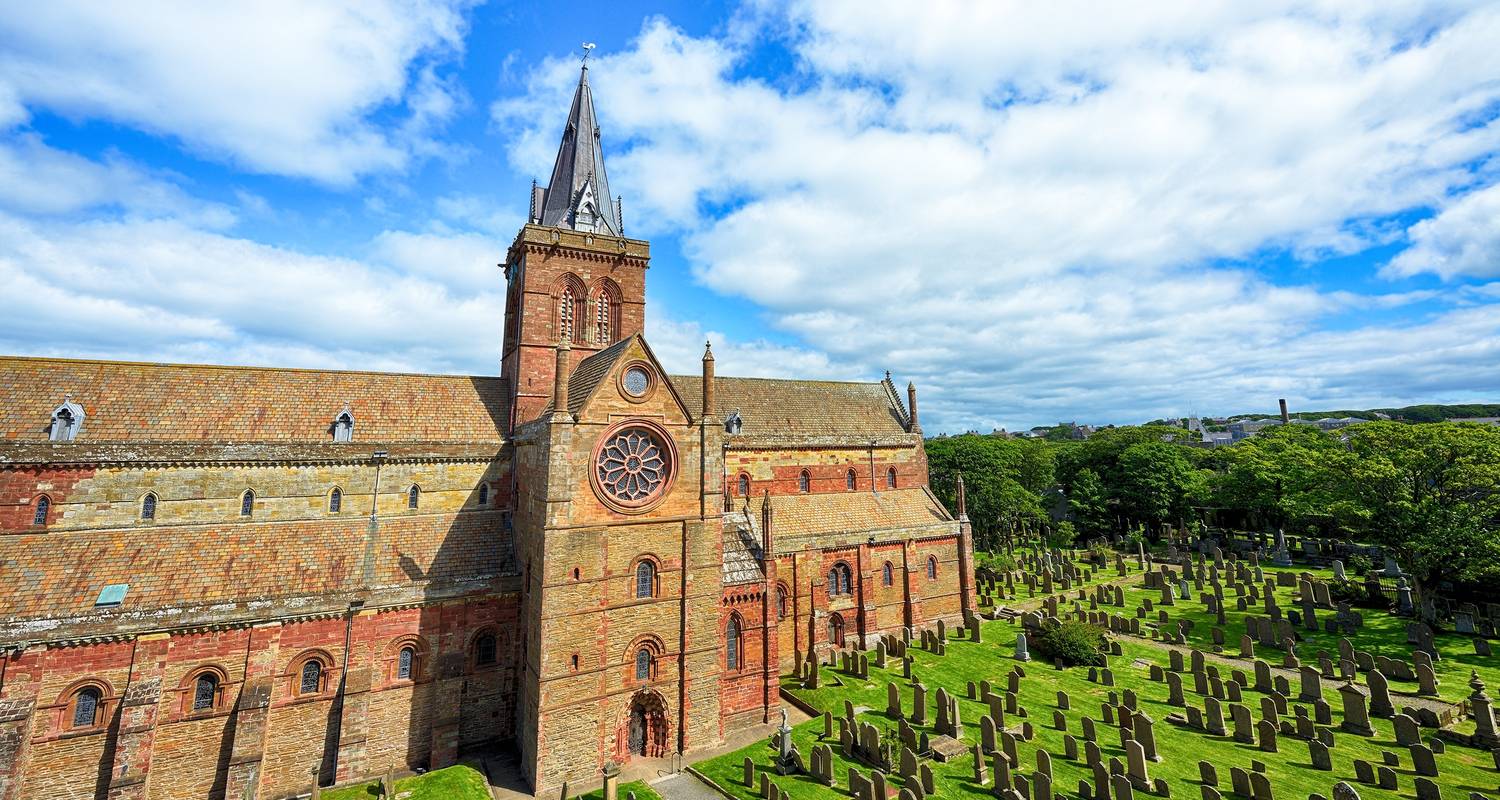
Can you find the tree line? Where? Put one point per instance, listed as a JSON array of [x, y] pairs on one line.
[[1428, 493]]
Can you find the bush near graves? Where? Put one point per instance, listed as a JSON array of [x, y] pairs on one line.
[[1074, 643], [1354, 593]]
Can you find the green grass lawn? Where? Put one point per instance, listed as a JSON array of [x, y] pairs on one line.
[[1463, 770], [458, 782]]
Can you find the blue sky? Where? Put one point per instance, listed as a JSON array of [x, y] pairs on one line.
[[1073, 211]]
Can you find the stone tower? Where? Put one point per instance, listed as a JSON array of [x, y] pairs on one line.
[[571, 274]]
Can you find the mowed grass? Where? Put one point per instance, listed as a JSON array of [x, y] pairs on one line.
[[1463, 770], [458, 782], [1383, 634]]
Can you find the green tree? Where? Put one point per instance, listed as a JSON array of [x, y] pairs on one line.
[[1089, 504], [1431, 494], [1289, 476], [1004, 479], [1157, 483]]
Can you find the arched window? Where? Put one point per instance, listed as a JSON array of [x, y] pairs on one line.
[[406, 663], [310, 680], [484, 494], [839, 580], [732, 643], [890, 478], [86, 707], [484, 649], [205, 691], [744, 485], [335, 500], [887, 575], [931, 567], [643, 659], [565, 315], [804, 482], [781, 603], [148, 506], [836, 630], [247, 503], [645, 579], [849, 480], [601, 318], [413, 496], [43, 505]]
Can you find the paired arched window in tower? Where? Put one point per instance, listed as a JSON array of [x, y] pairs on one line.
[[566, 308], [804, 482], [732, 643], [840, 580], [645, 579], [43, 507], [850, 482]]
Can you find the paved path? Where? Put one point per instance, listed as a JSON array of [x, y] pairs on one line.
[[685, 786]]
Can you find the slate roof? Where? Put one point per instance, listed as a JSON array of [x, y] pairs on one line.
[[772, 407], [804, 521], [742, 548], [590, 371], [580, 160], [193, 402]]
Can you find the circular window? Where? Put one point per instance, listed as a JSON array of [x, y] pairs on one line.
[[633, 466], [636, 381]]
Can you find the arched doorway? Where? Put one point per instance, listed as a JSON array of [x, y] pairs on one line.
[[836, 630], [645, 731]]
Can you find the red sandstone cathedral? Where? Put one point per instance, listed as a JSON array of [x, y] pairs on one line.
[[241, 581]]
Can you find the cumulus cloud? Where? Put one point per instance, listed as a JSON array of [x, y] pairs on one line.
[[277, 87], [1462, 240], [1032, 208]]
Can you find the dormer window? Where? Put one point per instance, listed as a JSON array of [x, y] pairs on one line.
[[343, 425], [733, 423], [67, 419]]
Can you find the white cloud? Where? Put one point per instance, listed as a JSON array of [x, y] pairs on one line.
[[165, 290], [1025, 206], [1462, 240], [279, 87]]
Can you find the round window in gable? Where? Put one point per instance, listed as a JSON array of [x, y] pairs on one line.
[[637, 381]]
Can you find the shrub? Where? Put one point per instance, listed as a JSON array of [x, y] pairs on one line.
[[1359, 563], [999, 562], [1073, 643]]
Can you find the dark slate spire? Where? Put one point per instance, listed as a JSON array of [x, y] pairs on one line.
[[578, 195]]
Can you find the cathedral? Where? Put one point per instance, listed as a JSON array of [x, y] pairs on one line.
[[246, 582]]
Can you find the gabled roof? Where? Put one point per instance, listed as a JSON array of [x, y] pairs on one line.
[[831, 519], [579, 168], [591, 373], [197, 402], [789, 408]]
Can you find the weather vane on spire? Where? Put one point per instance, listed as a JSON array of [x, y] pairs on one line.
[[588, 49]]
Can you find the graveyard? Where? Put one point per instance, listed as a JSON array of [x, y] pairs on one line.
[[1223, 675]]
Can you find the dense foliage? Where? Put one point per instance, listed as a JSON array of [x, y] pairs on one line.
[[1429, 493], [1072, 642]]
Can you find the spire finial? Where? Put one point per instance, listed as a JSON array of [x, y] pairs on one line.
[[588, 50]]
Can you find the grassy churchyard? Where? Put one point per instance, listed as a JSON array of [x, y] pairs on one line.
[[1219, 724]]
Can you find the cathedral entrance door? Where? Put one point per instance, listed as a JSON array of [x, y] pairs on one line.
[[646, 728]]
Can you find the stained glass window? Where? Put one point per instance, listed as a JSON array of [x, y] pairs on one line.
[[247, 503], [890, 478], [404, 663], [335, 500], [887, 576], [849, 480], [204, 690], [804, 482], [413, 496], [43, 505], [931, 567], [148, 506], [643, 664], [645, 579], [732, 643], [632, 466], [86, 707], [312, 677]]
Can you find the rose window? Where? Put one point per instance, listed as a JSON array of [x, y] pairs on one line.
[[632, 466]]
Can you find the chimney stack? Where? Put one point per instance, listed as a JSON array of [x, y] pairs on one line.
[[911, 405], [1286, 418], [708, 379]]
